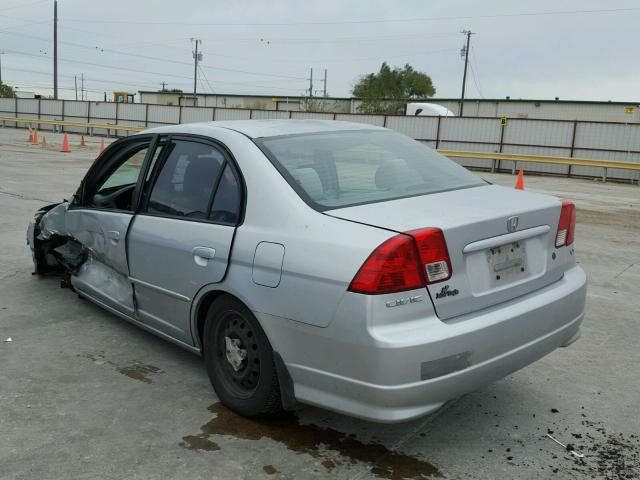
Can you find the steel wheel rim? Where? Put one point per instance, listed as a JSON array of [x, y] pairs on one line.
[[241, 381]]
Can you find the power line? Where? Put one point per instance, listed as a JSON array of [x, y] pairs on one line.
[[48, 86], [338, 60], [349, 22], [474, 71], [475, 80], [121, 68], [326, 60], [23, 5], [93, 80], [148, 57], [332, 39], [4, 29], [207, 80]]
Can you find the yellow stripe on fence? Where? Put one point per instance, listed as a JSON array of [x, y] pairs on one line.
[[519, 157], [37, 121], [515, 157]]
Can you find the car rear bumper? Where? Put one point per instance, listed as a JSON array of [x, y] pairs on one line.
[[401, 371]]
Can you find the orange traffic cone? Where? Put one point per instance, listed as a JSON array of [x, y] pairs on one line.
[[520, 180], [44, 142], [34, 140], [82, 144], [65, 144], [101, 145], [30, 136]]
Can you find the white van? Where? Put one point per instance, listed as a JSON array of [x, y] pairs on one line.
[[427, 110]]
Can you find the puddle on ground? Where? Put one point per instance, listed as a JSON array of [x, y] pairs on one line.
[[312, 440], [97, 358], [135, 370], [139, 371], [270, 470]]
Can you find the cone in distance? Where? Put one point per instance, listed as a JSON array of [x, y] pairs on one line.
[[65, 144], [44, 142], [101, 145], [30, 136], [82, 144], [34, 139], [520, 180]]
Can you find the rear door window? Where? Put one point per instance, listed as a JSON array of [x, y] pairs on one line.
[[185, 184], [226, 204]]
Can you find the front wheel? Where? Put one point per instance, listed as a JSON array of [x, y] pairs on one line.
[[239, 359]]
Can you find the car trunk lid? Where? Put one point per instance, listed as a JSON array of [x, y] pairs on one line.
[[500, 241]]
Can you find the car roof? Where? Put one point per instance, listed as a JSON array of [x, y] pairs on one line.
[[267, 128]]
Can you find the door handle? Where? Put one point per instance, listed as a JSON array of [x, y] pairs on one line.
[[114, 236], [202, 255]]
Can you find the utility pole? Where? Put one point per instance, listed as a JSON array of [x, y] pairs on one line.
[[311, 84], [1, 53], [82, 85], [55, 49], [75, 82], [164, 84], [465, 53], [325, 83], [196, 56]]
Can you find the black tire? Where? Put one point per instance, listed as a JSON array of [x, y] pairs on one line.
[[251, 387]]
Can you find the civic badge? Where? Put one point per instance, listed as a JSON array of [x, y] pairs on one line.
[[512, 224]]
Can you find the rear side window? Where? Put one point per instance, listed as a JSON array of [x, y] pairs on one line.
[[340, 169], [185, 184], [226, 204]]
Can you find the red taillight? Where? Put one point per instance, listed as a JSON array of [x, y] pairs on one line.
[[404, 262], [392, 267], [566, 224], [433, 252]]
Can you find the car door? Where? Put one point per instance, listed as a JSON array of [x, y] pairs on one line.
[[181, 238], [99, 218]]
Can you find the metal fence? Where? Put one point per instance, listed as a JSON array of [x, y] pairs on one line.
[[570, 138]]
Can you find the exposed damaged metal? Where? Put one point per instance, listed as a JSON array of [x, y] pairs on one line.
[[53, 222], [47, 232], [67, 242], [70, 255]]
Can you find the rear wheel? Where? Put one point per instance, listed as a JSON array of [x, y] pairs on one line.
[[239, 359]]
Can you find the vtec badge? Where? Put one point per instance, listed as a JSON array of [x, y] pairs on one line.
[[447, 292], [403, 301]]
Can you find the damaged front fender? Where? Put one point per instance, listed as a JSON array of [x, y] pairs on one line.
[[45, 233], [76, 243]]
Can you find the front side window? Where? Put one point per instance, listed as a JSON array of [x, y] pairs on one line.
[[339, 169], [116, 190], [186, 181]]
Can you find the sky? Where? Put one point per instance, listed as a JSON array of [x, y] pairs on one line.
[[571, 49]]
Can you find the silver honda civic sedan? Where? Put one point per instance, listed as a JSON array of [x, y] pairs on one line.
[[335, 264]]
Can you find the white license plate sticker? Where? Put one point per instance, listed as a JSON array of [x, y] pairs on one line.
[[507, 262]]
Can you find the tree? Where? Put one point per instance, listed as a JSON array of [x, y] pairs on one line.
[[388, 90], [6, 91], [317, 104]]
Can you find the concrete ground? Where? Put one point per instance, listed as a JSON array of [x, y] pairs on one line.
[[85, 395]]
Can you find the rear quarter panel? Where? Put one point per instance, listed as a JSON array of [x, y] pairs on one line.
[[321, 253]]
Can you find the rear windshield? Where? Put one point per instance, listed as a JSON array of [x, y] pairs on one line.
[[340, 169]]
